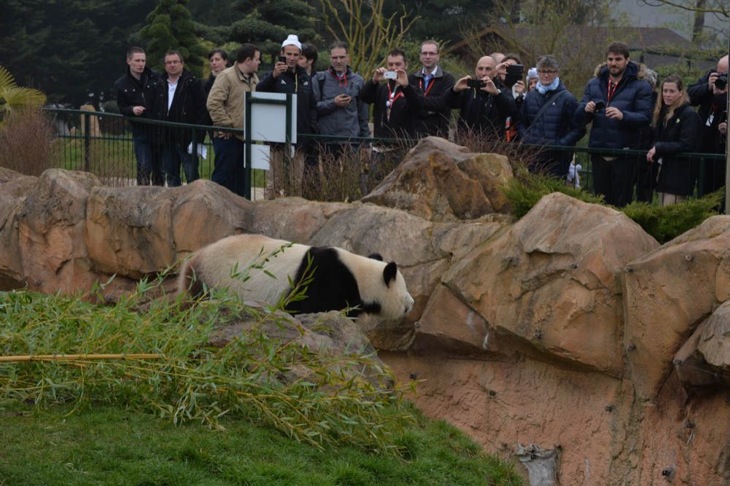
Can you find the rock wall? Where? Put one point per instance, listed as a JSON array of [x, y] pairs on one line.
[[570, 332]]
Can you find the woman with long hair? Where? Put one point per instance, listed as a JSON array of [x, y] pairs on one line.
[[676, 130]]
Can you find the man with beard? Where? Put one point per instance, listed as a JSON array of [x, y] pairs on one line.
[[619, 105]]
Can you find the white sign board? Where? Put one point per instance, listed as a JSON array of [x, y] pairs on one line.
[[260, 156], [268, 121]]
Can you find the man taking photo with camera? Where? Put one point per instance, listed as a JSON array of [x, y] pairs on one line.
[[484, 106], [710, 94]]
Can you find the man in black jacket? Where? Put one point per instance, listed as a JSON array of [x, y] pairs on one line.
[[288, 77], [395, 102], [711, 97], [431, 82], [484, 103], [180, 99], [135, 94]]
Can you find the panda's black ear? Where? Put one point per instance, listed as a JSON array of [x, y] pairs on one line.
[[389, 273], [376, 256]]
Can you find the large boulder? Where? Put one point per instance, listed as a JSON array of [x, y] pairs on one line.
[[668, 293], [14, 188], [51, 224], [442, 181], [550, 282]]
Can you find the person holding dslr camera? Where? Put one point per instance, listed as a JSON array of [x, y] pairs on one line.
[[483, 102], [709, 93]]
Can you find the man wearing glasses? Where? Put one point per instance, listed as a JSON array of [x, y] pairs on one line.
[[548, 118], [431, 82]]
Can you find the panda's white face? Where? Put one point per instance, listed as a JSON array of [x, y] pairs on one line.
[[380, 283], [398, 301]]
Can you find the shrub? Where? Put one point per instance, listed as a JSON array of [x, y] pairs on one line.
[[665, 223], [26, 138], [524, 191]]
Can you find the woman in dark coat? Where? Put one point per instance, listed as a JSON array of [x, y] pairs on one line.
[[676, 129]]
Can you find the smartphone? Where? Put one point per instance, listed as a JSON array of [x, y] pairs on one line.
[[475, 83], [514, 74], [282, 59], [599, 106], [390, 75]]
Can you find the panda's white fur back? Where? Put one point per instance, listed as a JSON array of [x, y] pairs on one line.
[[213, 264]]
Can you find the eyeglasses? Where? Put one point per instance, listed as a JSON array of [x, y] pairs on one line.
[[429, 53], [547, 71]]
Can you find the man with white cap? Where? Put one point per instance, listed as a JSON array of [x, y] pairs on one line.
[[288, 77]]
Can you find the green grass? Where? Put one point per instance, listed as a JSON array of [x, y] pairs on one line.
[[203, 414], [108, 445]]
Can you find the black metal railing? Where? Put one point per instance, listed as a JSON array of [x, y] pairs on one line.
[[101, 143]]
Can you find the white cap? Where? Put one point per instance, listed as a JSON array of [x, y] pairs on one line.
[[292, 40]]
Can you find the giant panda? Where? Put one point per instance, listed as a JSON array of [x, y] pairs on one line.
[[340, 279]]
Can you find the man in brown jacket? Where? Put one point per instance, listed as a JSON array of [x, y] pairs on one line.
[[226, 107]]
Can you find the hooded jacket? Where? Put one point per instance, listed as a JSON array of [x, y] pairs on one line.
[[632, 96]]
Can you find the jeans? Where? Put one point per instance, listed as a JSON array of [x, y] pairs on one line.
[[172, 156], [148, 161], [228, 170]]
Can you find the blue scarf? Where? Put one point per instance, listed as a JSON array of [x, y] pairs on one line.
[[550, 87]]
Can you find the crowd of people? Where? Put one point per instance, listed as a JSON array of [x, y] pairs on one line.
[[500, 100]]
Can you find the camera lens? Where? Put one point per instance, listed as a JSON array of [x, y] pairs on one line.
[[721, 81]]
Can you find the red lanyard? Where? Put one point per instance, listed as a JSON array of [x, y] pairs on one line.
[[428, 88], [341, 81], [611, 89], [392, 98]]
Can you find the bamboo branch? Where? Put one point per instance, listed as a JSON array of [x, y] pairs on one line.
[[75, 357]]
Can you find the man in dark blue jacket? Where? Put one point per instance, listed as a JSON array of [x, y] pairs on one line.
[[548, 118], [618, 104]]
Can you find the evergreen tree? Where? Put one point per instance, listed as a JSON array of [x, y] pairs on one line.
[[170, 26], [67, 48], [443, 20], [267, 23]]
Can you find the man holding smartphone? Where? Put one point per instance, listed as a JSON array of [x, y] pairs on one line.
[[288, 77], [342, 113], [483, 105]]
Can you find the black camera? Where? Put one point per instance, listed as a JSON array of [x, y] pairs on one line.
[[721, 81], [475, 83], [599, 106]]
